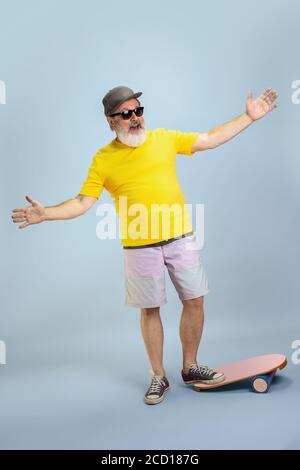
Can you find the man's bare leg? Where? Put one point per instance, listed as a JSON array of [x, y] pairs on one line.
[[191, 327], [152, 331]]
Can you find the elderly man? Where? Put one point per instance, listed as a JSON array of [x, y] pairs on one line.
[[140, 166]]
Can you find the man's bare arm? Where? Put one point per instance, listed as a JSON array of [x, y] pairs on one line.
[[37, 213], [221, 134], [70, 209], [254, 110]]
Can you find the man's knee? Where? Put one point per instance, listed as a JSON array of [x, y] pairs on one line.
[[196, 303], [150, 310]]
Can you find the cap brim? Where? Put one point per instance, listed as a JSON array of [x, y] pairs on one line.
[[135, 95]]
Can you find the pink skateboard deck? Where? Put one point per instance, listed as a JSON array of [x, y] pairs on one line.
[[261, 369]]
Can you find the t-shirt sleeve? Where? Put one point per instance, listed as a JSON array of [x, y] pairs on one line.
[[94, 182], [184, 141]]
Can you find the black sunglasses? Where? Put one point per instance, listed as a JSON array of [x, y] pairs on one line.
[[127, 113]]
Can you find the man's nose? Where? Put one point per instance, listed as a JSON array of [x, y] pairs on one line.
[[134, 119]]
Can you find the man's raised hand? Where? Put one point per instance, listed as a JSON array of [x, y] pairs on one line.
[[33, 214], [262, 105]]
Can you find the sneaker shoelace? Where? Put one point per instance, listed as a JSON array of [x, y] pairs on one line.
[[156, 384], [202, 370]]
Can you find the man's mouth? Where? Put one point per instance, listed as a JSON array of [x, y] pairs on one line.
[[135, 127]]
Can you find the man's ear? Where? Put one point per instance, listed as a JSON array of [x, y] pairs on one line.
[[110, 122]]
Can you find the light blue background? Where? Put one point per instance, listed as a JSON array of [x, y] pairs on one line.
[[76, 367]]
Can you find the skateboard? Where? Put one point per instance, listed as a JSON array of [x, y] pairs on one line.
[[260, 369]]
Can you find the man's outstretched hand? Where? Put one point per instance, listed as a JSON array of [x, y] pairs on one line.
[[33, 214], [262, 105]]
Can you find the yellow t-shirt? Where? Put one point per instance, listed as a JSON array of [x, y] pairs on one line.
[[143, 183]]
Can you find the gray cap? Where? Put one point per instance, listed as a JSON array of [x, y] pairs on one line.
[[115, 97]]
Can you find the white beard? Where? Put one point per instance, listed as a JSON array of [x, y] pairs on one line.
[[132, 139]]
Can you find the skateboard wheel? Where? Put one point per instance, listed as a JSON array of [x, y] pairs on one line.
[[262, 383]]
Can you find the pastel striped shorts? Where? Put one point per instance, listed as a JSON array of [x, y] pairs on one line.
[[145, 272]]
